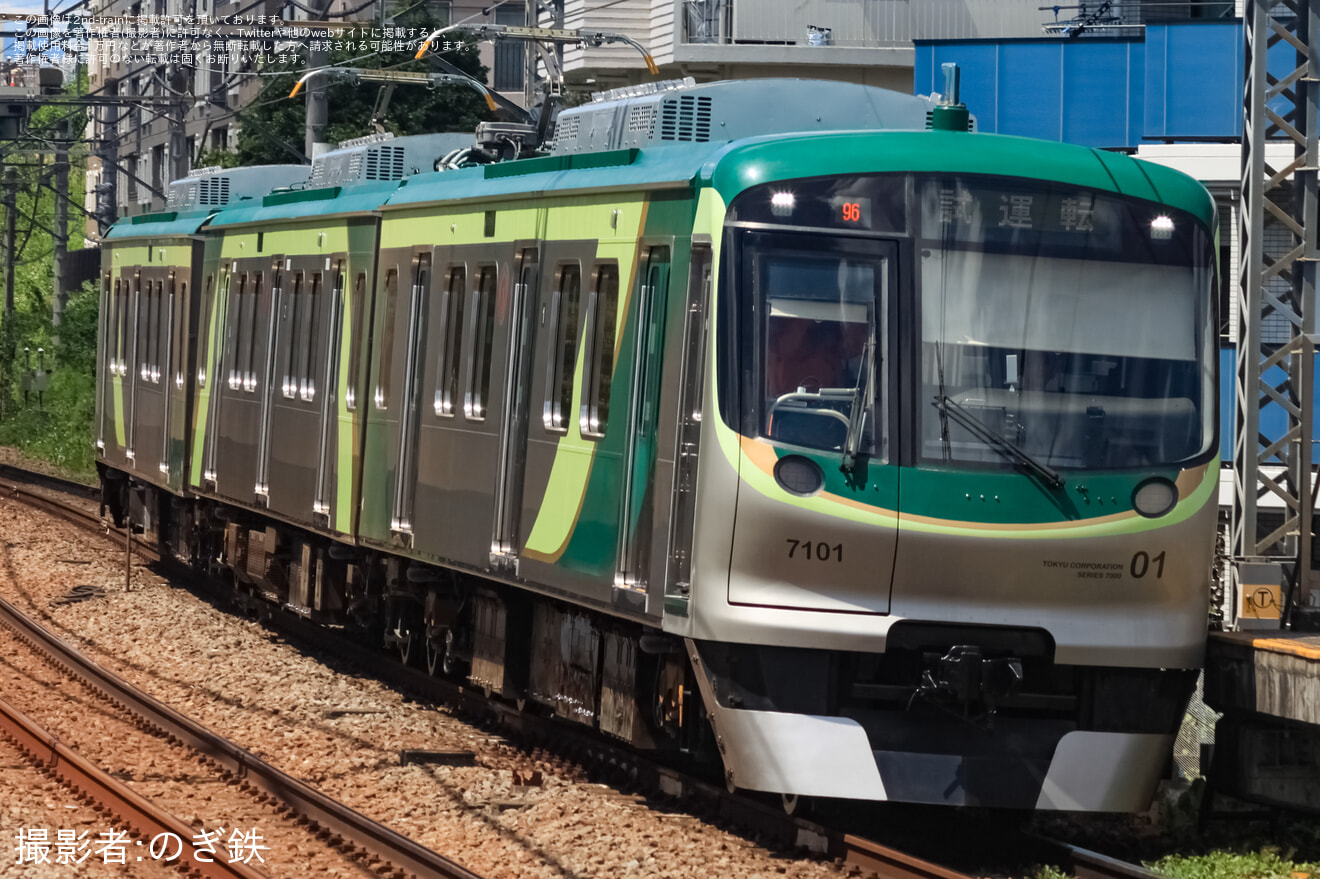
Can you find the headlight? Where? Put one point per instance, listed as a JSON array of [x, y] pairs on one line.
[[1155, 497], [798, 475]]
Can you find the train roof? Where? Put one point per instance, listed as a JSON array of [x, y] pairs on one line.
[[302, 204], [759, 160], [727, 167], [679, 135], [633, 168], [732, 167], [163, 224], [196, 198]]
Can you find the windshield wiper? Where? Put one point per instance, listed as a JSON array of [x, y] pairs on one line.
[[947, 406], [857, 415]]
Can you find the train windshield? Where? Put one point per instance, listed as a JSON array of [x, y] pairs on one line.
[[817, 310], [1061, 327]]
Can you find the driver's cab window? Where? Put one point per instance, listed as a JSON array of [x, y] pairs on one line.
[[822, 350]]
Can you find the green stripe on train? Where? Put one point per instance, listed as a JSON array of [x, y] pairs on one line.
[[592, 547]]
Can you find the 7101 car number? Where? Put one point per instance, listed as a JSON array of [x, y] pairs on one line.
[[816, 551]]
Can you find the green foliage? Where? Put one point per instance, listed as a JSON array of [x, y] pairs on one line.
[[217, 157], [77, 346], [1265, 864], [55, 425], [273, 126], [1048, 871]]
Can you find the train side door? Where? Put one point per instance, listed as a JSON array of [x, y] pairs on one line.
[[136, 332], [517, 399], [269, 307], [218, 366], [405, 476], [691, 399], [327, 411], [168, 328], [638, 497], [112, 402]]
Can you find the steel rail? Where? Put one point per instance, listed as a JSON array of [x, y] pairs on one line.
[[330, 818], [131, 808], [887, 861], [1086, 864], [46, 480]]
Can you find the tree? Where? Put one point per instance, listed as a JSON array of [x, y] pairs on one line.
[[273, 125], [216, 157], [60, 429]]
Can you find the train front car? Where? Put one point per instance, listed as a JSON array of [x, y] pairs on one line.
[[957, 488]]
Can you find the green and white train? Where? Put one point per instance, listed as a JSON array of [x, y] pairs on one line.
[[789, 424]]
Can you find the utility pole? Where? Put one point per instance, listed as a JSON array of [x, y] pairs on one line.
[[8, 337], [10, 197], [318, 108], [179, 157], [60, 235], [107, 147]]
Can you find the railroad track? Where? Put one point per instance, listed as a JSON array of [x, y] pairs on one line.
[[126, 805], [344, 828], [749, 814]]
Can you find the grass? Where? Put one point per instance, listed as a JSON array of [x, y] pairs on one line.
[[59, 432], [1240, 842], [1264, 864]]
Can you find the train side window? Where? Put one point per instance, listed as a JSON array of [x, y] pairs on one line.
[[306, 382], [563, 340], [105, 316], [251, 302], [483, 344], [229, 341], [451, 334], [355, 341], [385, 367], [151, 338], [115, 342], [159, 366], [176, 330], [240, 333], [295, 309], [146, 341], [125, 326], [248, 341], [132, 302], [160, 369], [141, 322], [293, 359], [205, 326], [162, 332], [602, 315], [158, 337]]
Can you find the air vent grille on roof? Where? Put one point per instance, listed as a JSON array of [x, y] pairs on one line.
[[213, 191], [182, 195], [686, 117], [385, 163], [641, 119], [566, 129]]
